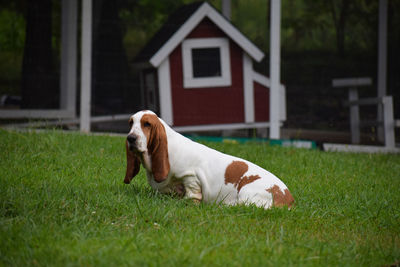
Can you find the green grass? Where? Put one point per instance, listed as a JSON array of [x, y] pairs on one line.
[[63, 202]]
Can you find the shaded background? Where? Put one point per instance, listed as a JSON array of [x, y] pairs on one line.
[[321, 40]]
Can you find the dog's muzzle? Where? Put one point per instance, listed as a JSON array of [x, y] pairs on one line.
[[132, 141]]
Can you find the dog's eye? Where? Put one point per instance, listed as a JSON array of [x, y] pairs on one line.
[[146, 124], [130, 123]]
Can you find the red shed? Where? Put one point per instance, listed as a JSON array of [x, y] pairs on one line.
[[197, 73]]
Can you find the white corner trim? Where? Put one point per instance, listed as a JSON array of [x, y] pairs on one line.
[[193, 21], [248, 89], [192, 82], [164, 87]]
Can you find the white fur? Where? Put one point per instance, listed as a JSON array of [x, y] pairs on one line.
[[136, 129]]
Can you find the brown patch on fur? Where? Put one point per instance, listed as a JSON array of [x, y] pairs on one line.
[[157, 146], [281, 198], [132, 164], [235, 171], [234, 175], [247, 180]]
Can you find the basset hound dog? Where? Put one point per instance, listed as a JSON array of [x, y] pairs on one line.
[[178, 165]]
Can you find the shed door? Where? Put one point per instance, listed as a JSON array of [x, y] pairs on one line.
[[151, 91]]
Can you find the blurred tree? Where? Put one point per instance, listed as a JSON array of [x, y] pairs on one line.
[[39, 81], [110, 69], [12, 40], [141, 19], [252, 18], [340, 12], [12, 30]]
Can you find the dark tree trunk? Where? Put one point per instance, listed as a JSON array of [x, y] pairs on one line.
[[339, 16], [110, 64], [39, 87]]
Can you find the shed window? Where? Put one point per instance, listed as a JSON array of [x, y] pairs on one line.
[[206, 62]]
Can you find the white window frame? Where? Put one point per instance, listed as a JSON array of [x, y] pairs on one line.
[[192, 82]]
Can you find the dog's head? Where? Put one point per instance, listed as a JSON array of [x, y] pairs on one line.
[[147, 136]]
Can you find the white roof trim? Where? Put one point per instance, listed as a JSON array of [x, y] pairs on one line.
[[203, 11], [235, 35], [262, 79]]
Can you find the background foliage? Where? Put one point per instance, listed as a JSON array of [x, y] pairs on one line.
[[321, 40]]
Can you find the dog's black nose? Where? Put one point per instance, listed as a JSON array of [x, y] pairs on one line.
[[131, 138]]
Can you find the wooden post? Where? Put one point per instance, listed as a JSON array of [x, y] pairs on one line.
[[68, 56], [86, 65], [274, 68], [382, 61], [226, 9], [352, 84], [354, 117], [388, 121]]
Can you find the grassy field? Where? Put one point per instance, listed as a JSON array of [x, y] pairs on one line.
[[63, 202]]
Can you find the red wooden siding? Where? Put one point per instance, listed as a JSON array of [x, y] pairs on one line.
[[261, 102], [206, 28], [211, 105]]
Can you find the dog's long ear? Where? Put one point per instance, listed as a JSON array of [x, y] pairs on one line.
[[158, 148], [132, 164]]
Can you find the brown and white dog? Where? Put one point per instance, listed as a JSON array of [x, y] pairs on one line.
[[176, 164]]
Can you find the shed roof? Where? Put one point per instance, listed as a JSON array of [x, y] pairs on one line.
[[180, 23]]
